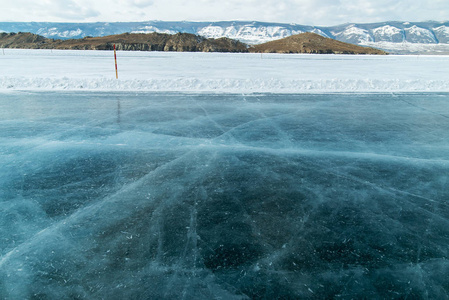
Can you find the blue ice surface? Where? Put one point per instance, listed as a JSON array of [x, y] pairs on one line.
[[224, 196]]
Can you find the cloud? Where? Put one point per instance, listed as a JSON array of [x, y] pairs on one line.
[[48, 10], [327, 12], [317, 12], [71, 10], [140, 3]]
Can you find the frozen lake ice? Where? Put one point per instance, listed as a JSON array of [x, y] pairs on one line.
[[223, 196]]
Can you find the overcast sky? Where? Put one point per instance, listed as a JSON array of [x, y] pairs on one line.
[[307, 12]]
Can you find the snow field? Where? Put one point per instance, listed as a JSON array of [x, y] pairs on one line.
[[220, 72]]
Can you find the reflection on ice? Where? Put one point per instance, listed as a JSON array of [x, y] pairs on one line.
[[224, 196]]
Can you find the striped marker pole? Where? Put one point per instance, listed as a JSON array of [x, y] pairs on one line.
[[115, 58]]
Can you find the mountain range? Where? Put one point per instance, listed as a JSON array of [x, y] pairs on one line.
[[396, 36]]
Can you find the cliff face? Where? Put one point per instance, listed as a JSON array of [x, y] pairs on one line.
[[311, 43], [134, 42], [23, 40]]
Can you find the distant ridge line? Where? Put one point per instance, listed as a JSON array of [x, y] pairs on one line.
[[382, 35]]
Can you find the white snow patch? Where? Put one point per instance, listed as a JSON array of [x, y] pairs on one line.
[[215, 31], [150, 29], [387, 29], [320, 32], [442, 34], [355, 34], [247, 33], [388, 33], [417, 34], [52, 32], [442, 29], [71, 33], [411, 48]]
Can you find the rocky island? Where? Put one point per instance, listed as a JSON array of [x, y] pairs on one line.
[[309, 42]]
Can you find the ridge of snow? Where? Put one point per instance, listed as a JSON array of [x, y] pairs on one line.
[[227, 85], [442, 33], [410, 48], [354, 34], [442, 29], [54, 32], [247, 33], [419, 34], [320, 32], [215, 31], [150, 29], [388, 33], [387, 29]]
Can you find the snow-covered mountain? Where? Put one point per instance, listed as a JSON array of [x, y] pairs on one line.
[[423, 35]]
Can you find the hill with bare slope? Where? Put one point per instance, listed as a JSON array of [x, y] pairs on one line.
[[301, 43], [311, 43], [24, 40], [125, 41]]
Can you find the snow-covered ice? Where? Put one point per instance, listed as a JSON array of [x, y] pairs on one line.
[[411, 48], [156, 195], [220, 72]]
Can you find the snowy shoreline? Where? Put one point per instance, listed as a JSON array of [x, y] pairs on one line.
[[42, 70], [223, 86]]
